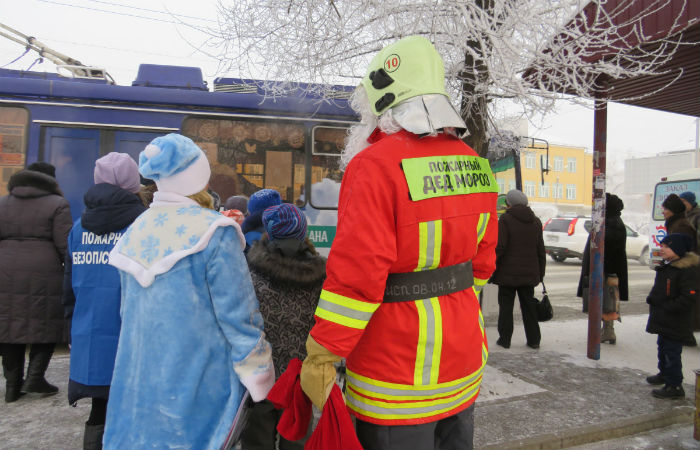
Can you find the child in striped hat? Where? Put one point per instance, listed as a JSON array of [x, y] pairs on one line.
[[287, 275]]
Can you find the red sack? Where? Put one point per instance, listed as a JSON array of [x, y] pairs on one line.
[[335, 429]]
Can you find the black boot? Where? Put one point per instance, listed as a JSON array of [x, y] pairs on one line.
[[92, 439], [13, 369], [669, 392], [656, 380], [39, 358]]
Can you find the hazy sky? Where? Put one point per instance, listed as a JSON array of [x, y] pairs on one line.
[[118, 35]]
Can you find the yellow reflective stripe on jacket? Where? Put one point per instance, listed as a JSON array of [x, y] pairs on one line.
[[484, 350], [429, 245], [398, 392], [481, 226], [384, 410], [429, 348], [345, 310], [479, 284]]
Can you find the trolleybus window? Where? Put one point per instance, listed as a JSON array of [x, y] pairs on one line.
[[247, 155], [13, 151], [664, 189], [326, 175]]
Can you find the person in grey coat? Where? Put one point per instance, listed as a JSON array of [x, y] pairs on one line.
[[34, 224]]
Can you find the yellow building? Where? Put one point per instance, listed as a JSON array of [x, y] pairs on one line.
[[567, 185]]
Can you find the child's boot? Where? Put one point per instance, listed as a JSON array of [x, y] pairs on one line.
[[608, 332]]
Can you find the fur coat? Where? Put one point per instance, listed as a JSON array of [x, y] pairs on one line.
[[288, 288]]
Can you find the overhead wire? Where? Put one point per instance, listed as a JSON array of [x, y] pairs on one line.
[[152, 10], [17, 58], [109, 12]]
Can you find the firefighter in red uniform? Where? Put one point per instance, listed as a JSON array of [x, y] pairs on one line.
[[417, 229]]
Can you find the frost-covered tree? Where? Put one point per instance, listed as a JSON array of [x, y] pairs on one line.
[[487, 46]]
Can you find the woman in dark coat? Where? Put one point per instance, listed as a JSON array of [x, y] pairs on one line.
[[34, 224], [288, 275], [671, 301], [91, 287], [520, 266], [676, 221], [614, 260]]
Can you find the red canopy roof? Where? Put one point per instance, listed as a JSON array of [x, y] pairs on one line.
[[677, 20]]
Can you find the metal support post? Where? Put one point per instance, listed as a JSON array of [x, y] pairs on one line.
[[596, 278]]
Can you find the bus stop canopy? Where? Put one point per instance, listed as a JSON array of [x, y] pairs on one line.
[[635, 29], [675, 87]]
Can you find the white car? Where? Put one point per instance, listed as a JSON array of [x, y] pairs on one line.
[[565, 237]]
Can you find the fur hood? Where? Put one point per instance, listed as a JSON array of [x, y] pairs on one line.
[[690, 259], [32, 179], [304, 269]]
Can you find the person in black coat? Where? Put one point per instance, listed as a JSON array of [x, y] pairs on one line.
[[614, 262], [676, 220], [34, 224], [520, 266], [670, 302]]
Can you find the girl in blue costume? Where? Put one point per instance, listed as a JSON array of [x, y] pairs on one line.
[[192, 336]]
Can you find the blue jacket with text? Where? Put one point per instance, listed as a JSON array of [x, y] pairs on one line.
[[92, 288]]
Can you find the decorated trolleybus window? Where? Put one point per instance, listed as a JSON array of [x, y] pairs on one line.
[[13, 131], [246, 155], [325, 165], [665, 189]]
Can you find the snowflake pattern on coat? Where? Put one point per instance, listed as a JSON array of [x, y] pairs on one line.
[[160, 232]]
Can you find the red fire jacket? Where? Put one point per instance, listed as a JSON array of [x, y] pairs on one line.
[[408, 204]]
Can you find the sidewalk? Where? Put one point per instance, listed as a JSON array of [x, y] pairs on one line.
[[549, 398], [556, 397]]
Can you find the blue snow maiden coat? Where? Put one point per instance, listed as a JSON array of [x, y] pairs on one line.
[[192, 336], [91, 289]]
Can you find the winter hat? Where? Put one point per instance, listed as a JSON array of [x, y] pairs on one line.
[[689, 197], [263, 199], [237, 202], [43, 167], [678, 242], [674, 204], [516, 197], [613, 204], [284, 221], [176, 164], [118, 169]]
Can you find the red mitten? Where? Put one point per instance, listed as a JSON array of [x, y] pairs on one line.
[[282, 393], [287, 394]]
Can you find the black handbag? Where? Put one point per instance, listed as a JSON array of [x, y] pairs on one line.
[[544, 307]]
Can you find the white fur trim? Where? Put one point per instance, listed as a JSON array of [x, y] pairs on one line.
[[256, 371], [190, 181], [260, 384], [146, 276], [151, 150], [161, 198]]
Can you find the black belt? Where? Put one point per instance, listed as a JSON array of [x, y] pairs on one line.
[[409, 286]]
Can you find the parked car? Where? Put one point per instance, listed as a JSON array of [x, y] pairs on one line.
[[565, 237]]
